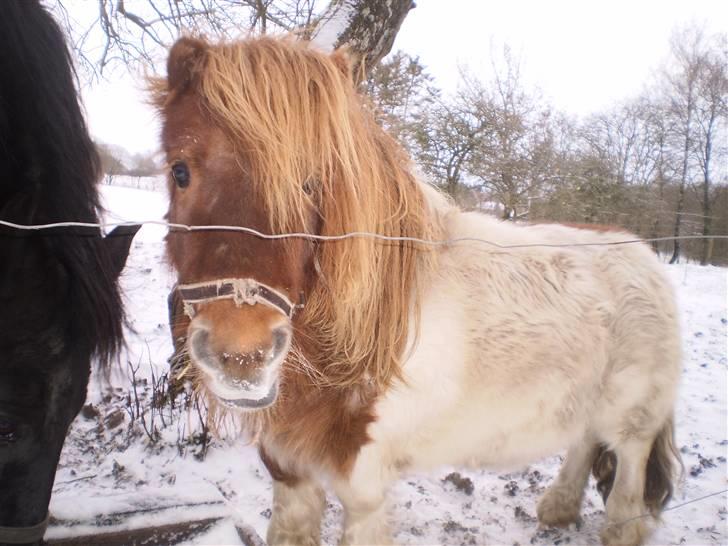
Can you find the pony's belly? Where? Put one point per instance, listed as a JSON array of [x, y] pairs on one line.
[[493, 425], [497, 436], [512, 399]]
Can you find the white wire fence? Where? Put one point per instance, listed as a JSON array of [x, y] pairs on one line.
[[349, 235]]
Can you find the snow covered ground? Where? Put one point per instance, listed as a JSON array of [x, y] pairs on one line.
[[112, 476]]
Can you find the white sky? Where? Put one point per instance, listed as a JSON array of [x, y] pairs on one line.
[[582, 54]]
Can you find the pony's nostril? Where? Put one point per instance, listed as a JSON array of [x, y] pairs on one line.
[[199, 341], [281, 339]]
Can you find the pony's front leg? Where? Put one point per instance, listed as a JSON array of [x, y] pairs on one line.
[[561, 504], [297, 511], [365, 520], [363, 495]]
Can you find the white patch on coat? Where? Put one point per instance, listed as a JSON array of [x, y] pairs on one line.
[[520, 354]]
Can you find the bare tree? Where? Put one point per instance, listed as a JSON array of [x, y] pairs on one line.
[[513, 157], [123, 33], [622, 137], [445, 139], [401, 90], [115, 32], [711, 112], [687, 48], [366, 27], [659, 127]]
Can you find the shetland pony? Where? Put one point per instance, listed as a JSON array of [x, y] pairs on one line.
[[59, 300], [355, 360]]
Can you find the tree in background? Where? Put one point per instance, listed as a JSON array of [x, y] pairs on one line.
[[680, 83], [112, 163], [401, 92], [116, 161], [711, 117], [514, 156], [655, 165], [128, 33], [445, 138]]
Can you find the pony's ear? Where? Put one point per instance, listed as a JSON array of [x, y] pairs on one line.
[[184, 62], [344, 61]]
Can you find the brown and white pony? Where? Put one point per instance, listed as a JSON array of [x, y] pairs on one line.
[[403, 356]]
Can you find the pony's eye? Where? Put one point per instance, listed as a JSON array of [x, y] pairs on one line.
[[181, 174], [8, 431]]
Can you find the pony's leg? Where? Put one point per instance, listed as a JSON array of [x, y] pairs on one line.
[[561, 503], [627, 523], [297, 512], [365, 520], [364, 498]]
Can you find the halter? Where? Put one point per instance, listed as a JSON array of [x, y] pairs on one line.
[[241, 291], [24, 535]]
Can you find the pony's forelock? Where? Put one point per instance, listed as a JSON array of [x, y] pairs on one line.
[[297, 120]]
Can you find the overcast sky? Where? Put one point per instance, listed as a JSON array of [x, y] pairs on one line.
[[582, 54]]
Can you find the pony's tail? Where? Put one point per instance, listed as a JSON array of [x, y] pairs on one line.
[[664, 469]]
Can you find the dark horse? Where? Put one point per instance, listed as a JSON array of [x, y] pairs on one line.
[[59, 300]]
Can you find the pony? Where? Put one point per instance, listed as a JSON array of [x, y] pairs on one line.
[[60, 305], [350, 361]]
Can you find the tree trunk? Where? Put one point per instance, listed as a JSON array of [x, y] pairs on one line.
[[707, 253], [661, 199], [366, 27], [683, 178], [451, 187], [678, 221], [707, 220]]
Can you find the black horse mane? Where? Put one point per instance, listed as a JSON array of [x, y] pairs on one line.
[[49, 169]]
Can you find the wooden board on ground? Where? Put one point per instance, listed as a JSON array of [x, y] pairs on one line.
[[162, 535]]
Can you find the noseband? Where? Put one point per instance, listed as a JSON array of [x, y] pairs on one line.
[[241, 291], [24, 535]]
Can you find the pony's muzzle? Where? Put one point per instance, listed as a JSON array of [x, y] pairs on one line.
[[246, 379]]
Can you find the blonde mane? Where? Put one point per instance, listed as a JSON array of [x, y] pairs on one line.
[[297, 120]]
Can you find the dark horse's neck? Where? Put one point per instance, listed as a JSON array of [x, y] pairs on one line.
[[48, 173], [38, 97]]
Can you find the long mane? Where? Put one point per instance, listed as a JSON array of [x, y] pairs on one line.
[[49, 169], [297, 118]]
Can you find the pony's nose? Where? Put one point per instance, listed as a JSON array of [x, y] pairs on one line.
[[248, 365]]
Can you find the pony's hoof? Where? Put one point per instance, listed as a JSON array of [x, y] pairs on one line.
[[559, 507], [632, 533], [281, 538]]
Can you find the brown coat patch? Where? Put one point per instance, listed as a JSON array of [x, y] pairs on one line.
[[312, 424], [318, 425]]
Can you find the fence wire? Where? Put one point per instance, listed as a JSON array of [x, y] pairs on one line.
[[348, 235]]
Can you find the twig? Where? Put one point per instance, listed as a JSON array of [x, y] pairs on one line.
[[76, 480]]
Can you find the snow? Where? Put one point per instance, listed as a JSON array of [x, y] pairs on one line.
[[108, 468], [331, 29]]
